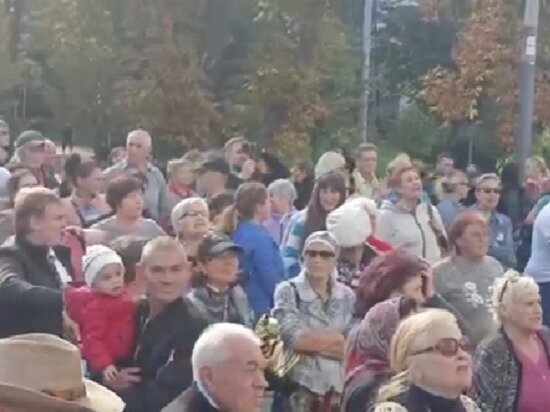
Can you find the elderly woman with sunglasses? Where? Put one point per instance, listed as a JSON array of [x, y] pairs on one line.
[[511, 370], [432, 364], [315, 315], [501, 246]]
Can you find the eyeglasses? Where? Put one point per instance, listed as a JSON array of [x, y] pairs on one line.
[[489, 191], [448, 347], [324, 254]]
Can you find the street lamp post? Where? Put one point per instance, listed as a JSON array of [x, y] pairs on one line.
[[527, 85], [365, 72]]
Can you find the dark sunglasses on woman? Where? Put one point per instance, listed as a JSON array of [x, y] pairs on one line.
[[324, 254], [448, 347]]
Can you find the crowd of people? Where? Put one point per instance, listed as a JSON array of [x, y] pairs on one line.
[[241, 285]]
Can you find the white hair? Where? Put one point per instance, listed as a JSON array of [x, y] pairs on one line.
[[212, 347], [183, 207], [508, 288], [283, 188], [142, 135]]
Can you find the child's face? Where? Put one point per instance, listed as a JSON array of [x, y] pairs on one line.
[[110, 281]]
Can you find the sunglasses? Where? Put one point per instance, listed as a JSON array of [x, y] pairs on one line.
[[325, 254], [489, 191], [448, 347]]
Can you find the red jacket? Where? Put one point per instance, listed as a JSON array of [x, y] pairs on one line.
[[107, 326]]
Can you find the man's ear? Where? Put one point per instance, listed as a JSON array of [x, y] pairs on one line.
[[206, 376]]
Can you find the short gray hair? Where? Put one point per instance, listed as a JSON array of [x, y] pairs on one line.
[[508, 288], [164, 243], [183, 207], [283, 188], [142, 134], [212, 348]]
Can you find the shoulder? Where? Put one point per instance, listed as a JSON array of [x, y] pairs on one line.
[[389, 407], [104, 224], [504, 220], [495, 344], [195, 314], [442, 265], [494, 264]]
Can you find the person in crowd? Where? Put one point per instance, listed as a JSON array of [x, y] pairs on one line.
[[260, 262], [368, 352], [353, 226], [314, 312], [330, 162], [195, 157], [303, 179], [168, 326], [512, 199], [219, 293], [67, 139], [215, 177], [5, 146], [190, 221], [181, 181], [20, 179], [50, 155], [29, 153], [511, 369], [282, 195], [138, 152], [86, 204], [445, 164], [501, 245], [218, 206], [455, 190], [465, 278], [364, 175], [473, 174], [117, 155], [238, 155], [410, 223], [104, 312], [56, 382], [536, 172], [328, 193], [130, 248], [397, 273], [125, 197], [271, 168], [228, 372], [433, 366], [31, 275], [539, 263]]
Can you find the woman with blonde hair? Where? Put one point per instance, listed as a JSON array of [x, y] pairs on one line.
[[511, 370], [433, 367]]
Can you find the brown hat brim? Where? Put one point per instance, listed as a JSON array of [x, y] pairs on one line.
[[98, 399]]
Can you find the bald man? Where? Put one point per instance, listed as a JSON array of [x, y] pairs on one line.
[[138, 150]]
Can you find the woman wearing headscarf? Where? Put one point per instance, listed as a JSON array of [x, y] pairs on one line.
[[367, 352], [315, 313]]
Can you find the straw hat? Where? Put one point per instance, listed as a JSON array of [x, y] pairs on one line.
[[43, 372]]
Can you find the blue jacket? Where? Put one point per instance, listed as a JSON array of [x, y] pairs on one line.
[[261, 265]]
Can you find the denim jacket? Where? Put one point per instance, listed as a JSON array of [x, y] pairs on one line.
[[315, 372]]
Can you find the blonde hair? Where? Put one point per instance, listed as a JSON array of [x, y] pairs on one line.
[[412, 330], [174, 165], [508, 288], [400, 161], [538, 163], [163, 243]]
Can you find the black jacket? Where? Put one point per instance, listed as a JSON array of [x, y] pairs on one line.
[[164, 347], [192, 400], [30, 290]]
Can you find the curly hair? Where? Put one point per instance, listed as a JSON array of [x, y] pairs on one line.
[[385, 275]]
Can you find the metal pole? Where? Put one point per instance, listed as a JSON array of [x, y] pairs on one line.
[[367, 27], [527, 85]]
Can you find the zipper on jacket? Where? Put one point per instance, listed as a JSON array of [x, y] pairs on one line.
[[421, 233]]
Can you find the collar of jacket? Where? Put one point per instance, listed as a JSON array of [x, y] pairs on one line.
[[307, 294], [124, 165]]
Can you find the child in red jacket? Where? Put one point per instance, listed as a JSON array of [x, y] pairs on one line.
[[104, 312]]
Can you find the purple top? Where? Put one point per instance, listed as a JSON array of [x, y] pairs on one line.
[[535, 379], [276, 225]]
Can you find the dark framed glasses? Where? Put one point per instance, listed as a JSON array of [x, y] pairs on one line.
[[489, 191], [324, 254], [448, 347]]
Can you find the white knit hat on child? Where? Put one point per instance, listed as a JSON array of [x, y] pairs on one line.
[[350, 224], [95, 259]]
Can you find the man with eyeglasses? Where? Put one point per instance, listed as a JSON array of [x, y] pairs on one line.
[[488, 189]]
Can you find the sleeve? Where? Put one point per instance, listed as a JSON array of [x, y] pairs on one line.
[[94, 343], [156, 230], [268, 274], [291, 248], [286, 312], [385, 228], [171, 379], [16, 293], [484, 388], [164, 199]]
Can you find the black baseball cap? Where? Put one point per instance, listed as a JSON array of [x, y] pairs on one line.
[[215, 165], [214, 245]]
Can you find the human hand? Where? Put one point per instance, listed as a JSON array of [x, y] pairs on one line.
[[110, 373], [248, 169], [71, 331], [124, 379]]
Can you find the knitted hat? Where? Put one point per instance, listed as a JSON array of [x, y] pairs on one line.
[[29, 136], [350, 224], [95, 259], [329, 162]]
